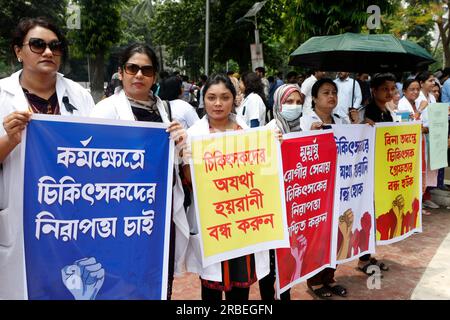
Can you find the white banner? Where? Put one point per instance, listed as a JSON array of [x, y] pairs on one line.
[[354, 217]]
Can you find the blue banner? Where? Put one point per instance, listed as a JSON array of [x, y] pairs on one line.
[[97, 201]]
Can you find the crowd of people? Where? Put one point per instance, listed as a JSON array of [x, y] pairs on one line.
[[218, 103]]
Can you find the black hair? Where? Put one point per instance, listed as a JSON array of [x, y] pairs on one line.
[[379, 78], [217, 79], [291, 74], [163, 75], [408, 82], [26, 24], [318, 84], [111, 88], [398, 76], [261, 69], [139, 48], [424, 76], [270, 79], [204, 77], [230, 72], [446, 72], [312, 71], [253, 84], [170, 88]]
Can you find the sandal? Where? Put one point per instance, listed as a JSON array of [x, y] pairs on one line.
[[322, 292], [337, 290], [373, 262], [381, 265], [364, 269]]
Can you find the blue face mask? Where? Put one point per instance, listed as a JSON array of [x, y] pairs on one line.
[[291, 112]]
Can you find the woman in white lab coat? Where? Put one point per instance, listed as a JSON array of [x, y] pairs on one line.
[[234, 276], [134, 101], [37, 88]]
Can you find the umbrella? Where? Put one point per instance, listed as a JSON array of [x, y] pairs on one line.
[[356, 52]]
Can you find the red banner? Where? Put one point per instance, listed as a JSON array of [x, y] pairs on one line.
[[309, 169]]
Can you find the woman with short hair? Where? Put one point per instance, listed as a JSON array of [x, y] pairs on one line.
[[40, 47]]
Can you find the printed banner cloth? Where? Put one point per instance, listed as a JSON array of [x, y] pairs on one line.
[[238, 193], [438, 135], [354, 191], [97, 203], [398, 181], [309, 171]]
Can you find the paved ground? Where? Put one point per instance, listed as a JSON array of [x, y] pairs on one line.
[[419, 269]]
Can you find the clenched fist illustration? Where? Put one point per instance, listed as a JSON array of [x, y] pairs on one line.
[[298, 252], [83, 278]]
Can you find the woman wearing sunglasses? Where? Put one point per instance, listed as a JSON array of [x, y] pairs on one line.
[[135, 101], [37, 88]]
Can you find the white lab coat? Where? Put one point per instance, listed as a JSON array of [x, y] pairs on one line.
[[308, 119], [184, 113], [424, 113], [12, 263], [193, 255], [118, 107], [252, 108]]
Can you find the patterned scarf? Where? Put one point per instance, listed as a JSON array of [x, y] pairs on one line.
[[145, 110], [279, 97]]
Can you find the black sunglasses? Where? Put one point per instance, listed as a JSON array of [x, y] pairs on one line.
[[38, 46], [147, 70]]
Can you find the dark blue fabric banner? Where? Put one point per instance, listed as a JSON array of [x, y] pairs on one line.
[[97, 201]]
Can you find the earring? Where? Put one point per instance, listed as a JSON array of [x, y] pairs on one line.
[[19, 59]]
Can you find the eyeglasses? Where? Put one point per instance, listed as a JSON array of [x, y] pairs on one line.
[[147, 70], [38, 46]]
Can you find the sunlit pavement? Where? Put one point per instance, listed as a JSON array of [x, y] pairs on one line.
[[419, 269]]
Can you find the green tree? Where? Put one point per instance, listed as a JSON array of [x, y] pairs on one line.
[[232, 40], [101, 28], [137, 15], [180, 26], [416, 19], [144, 8], [442, 19], [304, 19]]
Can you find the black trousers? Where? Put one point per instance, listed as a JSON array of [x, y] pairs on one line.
[[235, 294], [365, 257], [171, 260], [266, 284], [324, 277]]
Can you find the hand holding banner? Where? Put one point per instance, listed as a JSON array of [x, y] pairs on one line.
[[238, 194]]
